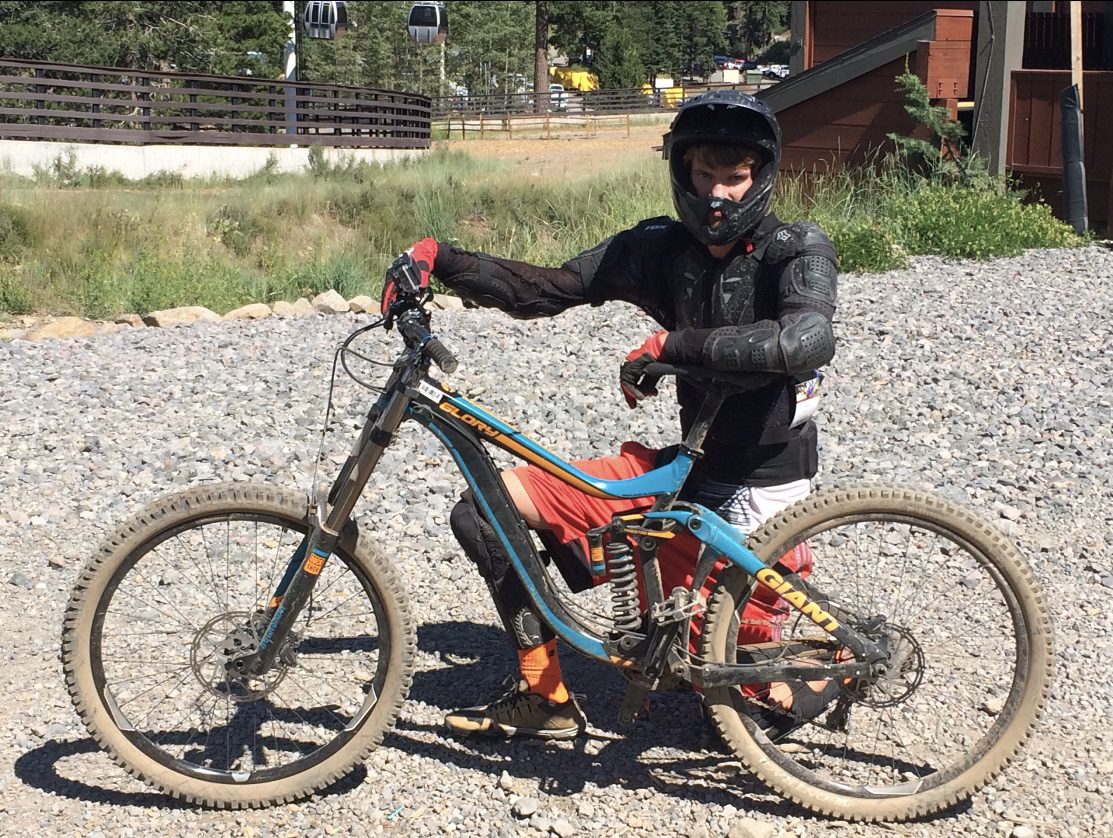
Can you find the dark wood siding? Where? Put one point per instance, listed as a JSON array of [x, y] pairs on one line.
[[1035, 138], [838, 26], [849, 122]]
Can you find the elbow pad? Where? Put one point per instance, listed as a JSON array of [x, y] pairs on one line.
[[807, 342], [804, 343], [754, 348]]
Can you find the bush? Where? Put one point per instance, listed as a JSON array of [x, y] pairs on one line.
[[973, 223], [866, 245]]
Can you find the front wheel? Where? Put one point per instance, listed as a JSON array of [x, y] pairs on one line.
[[968, 643], [165, 603]]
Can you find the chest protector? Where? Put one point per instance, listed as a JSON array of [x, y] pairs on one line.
[[739, 293]]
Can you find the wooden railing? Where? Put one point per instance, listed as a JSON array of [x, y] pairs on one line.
[[47, 101]]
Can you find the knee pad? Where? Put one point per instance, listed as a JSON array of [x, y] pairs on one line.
[[478, 539], [480, 544]]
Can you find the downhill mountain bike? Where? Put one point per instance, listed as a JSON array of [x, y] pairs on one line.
[[242, 645]]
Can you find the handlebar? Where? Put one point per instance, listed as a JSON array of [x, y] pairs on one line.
[[412, 326], [706, 377]]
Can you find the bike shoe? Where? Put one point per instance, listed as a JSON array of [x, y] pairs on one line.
[[807, 705], [520, 713]]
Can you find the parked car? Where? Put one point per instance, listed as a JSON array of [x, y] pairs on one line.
[[774, 71], [558, 99]]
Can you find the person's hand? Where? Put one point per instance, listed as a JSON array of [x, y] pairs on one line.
[[636, 385], [409, 273]]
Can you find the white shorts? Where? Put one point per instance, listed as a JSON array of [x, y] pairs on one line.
[[748, 507]]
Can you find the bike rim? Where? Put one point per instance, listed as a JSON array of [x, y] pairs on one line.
[[957, 630], [157, 666]]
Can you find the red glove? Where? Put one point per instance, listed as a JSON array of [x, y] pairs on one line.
[[409, 273], [636, 385]]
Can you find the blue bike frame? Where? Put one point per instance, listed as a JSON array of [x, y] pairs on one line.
[[462, 425]]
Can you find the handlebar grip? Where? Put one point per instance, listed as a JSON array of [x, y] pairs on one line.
[[441, 356]]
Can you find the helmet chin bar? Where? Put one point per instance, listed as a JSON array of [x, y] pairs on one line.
[[731, 224]]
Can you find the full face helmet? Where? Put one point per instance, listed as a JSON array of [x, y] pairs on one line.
[[723, 118]]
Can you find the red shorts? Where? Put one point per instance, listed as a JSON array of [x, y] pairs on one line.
[[570, 513]]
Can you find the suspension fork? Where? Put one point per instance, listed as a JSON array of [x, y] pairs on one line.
[[309, 559]]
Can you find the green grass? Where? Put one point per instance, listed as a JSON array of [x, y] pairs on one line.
[[94, 244]]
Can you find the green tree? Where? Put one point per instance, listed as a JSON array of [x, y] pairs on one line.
[[752, 25], [578, 29], [681, 37], [188, 35], [617, 63]]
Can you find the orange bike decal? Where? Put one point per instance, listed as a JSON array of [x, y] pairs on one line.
[[514, 447], [314, 563]]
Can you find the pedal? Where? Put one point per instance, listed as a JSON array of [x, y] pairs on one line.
[[635, 704]]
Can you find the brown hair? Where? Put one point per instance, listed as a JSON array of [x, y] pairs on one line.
[[716, 155]]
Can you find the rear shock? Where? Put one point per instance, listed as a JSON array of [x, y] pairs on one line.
[[626, 608]]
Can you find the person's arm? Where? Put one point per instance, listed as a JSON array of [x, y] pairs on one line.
[[798, 340], [613, 270]]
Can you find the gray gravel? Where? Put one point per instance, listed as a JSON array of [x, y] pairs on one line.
[[987, 381]]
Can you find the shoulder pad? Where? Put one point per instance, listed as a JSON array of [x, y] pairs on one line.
[[798, 239], [655, 227]]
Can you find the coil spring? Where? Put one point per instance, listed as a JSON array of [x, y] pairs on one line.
[[624, 586]]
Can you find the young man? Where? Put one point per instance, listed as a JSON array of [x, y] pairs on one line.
[[734, 290]]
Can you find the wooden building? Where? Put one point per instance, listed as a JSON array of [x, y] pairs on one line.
[[998, 66]]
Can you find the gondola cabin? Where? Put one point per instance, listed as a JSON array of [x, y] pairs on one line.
[[327, 20], [428, 23]]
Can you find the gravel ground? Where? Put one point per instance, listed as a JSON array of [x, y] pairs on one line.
[[987, 381]]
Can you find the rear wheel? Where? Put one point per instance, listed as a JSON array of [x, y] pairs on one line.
[[176, 593], [969, 652]]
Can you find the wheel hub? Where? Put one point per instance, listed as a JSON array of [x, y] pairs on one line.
[[229, 637], [898, 676]]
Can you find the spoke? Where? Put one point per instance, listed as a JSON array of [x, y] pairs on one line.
[[172, 728], [180, 620], [159, 703], [121, 681], [341, 604], [209, 562], [110, 634], [343, 722], [215, 598]]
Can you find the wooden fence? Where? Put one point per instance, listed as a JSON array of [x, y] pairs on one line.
[[576, 103], [48, 101]]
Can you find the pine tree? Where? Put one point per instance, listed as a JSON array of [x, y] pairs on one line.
[[618, 64]]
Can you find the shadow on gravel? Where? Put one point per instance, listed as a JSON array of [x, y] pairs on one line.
[[671, 752], [38, 769]]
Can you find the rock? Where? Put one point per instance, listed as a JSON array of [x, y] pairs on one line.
[[179, 316], [1022, 832], [130, 320], [303, 308], [254, 311], [284, 309], [525, 807], [750, 828], [363, 305], [330, 302], [446, 302], [562, 828], [506, 782], [993, 706], [63, 327]]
